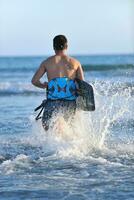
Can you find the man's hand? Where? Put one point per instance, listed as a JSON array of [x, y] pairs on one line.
[[39, 84]]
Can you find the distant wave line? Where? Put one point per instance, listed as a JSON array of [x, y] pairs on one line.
[[86, 67]]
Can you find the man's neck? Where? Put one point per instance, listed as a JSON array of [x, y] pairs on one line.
[[60, 52]]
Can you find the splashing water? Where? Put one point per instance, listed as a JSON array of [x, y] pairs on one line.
[[89, 130]]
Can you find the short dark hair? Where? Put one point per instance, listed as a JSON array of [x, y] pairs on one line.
[[60, 42]]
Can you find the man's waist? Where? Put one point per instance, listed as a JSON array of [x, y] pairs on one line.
[[67, 98]]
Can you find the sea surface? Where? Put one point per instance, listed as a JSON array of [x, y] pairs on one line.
[[94, 160]]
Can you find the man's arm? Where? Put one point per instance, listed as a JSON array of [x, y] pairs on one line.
[[79, 72], [37, 76]]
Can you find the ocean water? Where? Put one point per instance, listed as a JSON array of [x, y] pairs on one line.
[[91, 161]]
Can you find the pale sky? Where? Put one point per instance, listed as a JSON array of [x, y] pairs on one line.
[[27, 27]]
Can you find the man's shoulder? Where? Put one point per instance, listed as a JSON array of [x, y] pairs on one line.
[[50, 58], [47, 60], [74, 61]]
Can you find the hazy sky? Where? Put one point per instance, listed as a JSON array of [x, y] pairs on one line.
[[27, 27]]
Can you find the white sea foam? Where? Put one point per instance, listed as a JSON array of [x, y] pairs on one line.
[[89, 130], [18, 88], [10, 166]]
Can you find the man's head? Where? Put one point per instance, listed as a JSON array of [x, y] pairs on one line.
[[60, 43]]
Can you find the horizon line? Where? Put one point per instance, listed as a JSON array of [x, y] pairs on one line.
[[82, 54]]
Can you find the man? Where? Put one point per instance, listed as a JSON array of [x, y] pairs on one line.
[[61, 71]]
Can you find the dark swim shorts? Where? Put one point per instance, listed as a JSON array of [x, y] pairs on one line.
[[65, 108]]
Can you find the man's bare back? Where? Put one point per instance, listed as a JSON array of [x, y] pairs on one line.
[[62, 65], [59, 65]]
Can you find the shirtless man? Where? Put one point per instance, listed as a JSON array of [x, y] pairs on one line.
[[61, 71]]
